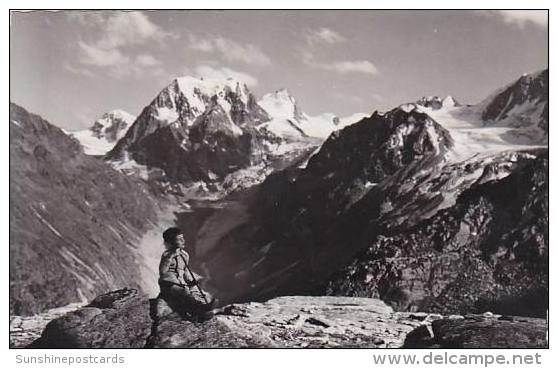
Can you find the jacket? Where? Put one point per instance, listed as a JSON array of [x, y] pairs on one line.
[[174, 267]]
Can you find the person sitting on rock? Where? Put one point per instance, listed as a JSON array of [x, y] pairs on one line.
[[179, 287]]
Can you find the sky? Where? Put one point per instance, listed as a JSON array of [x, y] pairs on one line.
[[72, 66]]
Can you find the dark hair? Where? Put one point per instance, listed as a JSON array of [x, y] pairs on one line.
[[171, 233]]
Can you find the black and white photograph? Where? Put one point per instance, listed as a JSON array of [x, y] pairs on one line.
[[217, 179]]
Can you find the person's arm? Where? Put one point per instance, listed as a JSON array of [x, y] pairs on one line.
[[190, 281], [165, 263]]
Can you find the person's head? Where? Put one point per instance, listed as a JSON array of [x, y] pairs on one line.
[[174, 238]]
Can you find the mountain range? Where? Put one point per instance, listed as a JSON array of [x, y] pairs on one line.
[[434, 205], [427, 206], [207, 133]]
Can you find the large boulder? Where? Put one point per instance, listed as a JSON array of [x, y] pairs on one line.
[[481, 331], [119, 319]]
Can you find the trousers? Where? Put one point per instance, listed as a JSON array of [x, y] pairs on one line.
[[184, 299]]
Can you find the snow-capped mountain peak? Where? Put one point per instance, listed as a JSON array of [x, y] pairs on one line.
[[435, 102], [191, 86], [449, 101], [288, 117], [511, 119], [105, 132], [117, 114], [522, 105], [282, 105]]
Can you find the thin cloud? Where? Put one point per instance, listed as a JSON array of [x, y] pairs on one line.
[[147, 60], [112, 49], [208, 71], [78, 70], [347, 97], [521, 17], [342, 67], [323, 35], [231, 50], [99, 56], [357, 66]]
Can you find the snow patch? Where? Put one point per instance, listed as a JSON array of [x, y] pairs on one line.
[[129, 166], [167, 115], [92, 145], [471, 137], [321, 126], [448, 102], [281, 105]]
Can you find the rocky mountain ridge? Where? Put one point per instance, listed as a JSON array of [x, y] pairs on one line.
[[401, 175], [211, 135], [429, 207], [74, 221], [522, 105], [194, 130]]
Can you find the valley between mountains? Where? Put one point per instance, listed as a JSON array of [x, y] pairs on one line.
[[434, 206]]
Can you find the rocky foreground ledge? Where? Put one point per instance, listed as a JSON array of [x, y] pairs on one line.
[[127, 319]]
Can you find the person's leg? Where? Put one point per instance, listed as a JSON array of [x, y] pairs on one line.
[[202, 302], [187, 302]]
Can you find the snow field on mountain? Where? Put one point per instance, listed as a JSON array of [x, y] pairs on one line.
[[470, 137], [97, 144], [92, 145], [321, 126]]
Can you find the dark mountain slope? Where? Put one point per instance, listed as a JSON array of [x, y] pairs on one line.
[[488, 252], [74, 221]]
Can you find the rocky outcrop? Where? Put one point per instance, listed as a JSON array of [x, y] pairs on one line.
[[74, 221], [522, 105], [26, 329], [488, 252], [297, 214], [120, 319], [488, 331], [127, 319], [291, 322]]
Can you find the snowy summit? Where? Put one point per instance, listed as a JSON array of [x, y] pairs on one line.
[[105, 132]]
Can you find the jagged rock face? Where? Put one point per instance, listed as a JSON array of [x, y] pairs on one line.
[[378, 146], [523, 104], [297, 214], [73, 219], [207, 133], [196, 130], [487, 252], [395, 183]]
